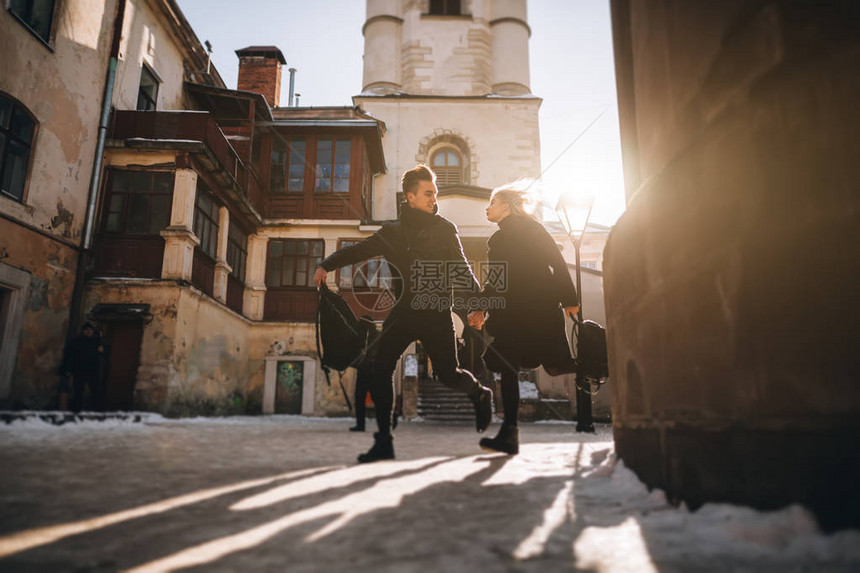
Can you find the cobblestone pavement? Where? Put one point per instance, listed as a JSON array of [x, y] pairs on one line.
[[284, 494]]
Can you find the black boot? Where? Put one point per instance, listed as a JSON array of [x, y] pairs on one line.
[[483, 402], [383, 449], [507, 441], [357, 428]]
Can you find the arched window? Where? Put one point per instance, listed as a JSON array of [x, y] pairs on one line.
[[448, 166]]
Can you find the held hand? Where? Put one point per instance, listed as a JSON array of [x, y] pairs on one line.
[[319, 276], [476, 319], [571, 311]]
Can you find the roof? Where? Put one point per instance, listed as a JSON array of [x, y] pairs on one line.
[[331, 118], [226, 104], [321, 113], [265, 51]]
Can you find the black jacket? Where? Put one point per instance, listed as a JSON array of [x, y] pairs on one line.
[[425, 256], [529, 328], [82, 356]]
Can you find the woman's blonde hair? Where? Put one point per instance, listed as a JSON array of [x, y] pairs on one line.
[[519, 196]]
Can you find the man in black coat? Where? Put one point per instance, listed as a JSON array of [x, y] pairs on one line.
[[425, 249], [83, 360]]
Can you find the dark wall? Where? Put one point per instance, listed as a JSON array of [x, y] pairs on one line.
[[731, 280]]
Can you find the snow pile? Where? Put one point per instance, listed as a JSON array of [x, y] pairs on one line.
[[628, 528], [528, 390]]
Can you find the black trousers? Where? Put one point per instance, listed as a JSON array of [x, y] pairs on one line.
[[81, 381], [436, 332], [363, 376]]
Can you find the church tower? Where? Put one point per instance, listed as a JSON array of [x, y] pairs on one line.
[[450, 79]]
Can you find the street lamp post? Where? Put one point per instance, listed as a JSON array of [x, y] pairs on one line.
[[574, 211]]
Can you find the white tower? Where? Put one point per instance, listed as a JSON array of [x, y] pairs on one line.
[[450, 79]]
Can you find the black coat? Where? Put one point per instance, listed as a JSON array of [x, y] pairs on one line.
[[83, 356], [416, 246], [529, 328]]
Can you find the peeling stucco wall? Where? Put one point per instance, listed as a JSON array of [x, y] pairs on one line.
[[63, 90], [200, 358], [51, 266]]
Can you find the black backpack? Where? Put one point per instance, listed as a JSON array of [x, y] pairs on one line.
[[591, 357], [342, 339]]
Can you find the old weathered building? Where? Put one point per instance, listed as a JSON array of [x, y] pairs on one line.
[[212, 207]]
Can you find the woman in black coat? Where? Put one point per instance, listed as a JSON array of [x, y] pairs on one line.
[[528, 286]]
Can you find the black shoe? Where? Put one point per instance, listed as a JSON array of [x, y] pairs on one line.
[[357, 428], [483, 403], [383, 449], [507, 441]]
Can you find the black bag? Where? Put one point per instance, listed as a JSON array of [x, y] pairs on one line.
[[591, 357], [342, 339]]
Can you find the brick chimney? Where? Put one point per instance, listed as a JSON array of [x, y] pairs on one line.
[[260, 71]]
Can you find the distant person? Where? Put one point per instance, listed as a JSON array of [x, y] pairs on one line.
[[83, 362], [417, 245], [364, 373], [528, 329]]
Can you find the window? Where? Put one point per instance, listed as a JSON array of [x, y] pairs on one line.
[[138, 202], [370, 274], [147, 93], [448, 167], [332, 165], [16, 138], [237, 251], [36, 14], [206, 222], [445, 7], [291, 262], [288, 163]]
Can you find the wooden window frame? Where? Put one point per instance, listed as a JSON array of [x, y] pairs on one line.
[[443, 173], [352, 203], [151, 100], [311, 261], [237, 250], [332, 164], [286, 170], [206, 224], [108, 208], [8, 137], [26, 20], [445, 8]]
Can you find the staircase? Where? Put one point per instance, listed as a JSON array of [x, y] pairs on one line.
[[438, 403]]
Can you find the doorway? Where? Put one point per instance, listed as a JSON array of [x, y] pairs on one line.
[[122, 350], [122, 326], [289, 386]]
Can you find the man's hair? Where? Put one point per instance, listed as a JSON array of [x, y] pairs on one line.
[[418, 173]]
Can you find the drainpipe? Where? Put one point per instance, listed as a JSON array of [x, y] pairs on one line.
[[292, 86], [85, 254]]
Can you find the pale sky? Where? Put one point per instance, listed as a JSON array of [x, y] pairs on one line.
[[571, 69]]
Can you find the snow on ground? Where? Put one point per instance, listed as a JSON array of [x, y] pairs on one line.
[[565, 502]]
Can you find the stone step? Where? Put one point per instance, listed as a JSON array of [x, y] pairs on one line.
[[439, 403]]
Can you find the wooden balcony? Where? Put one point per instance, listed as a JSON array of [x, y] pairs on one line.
[[194, 132]]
